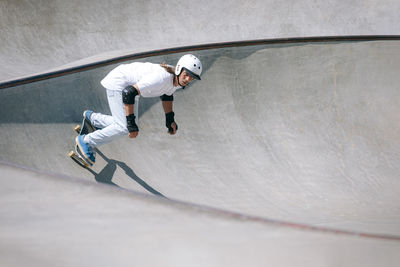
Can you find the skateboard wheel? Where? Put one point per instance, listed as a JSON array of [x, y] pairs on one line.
[[77, 128], [71, 154]]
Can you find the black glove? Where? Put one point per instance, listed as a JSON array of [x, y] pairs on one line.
[[131, 124], [169, 119]]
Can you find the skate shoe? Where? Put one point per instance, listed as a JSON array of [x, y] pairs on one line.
[[86, 150], [87, 114]]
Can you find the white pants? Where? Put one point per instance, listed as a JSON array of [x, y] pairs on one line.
[[110, 127]]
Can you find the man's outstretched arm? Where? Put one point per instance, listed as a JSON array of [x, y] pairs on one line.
[[168, 102]]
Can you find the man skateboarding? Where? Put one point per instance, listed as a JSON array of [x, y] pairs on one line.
[[123, 84]]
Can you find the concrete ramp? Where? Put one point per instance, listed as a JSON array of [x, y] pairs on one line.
[[37, 36], [305, 133]]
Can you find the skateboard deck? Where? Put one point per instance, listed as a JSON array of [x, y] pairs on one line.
[[76, 155]]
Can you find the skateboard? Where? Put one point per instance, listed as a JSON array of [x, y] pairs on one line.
[[85, 128]]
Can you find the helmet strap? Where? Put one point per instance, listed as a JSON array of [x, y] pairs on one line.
[[177, 78]]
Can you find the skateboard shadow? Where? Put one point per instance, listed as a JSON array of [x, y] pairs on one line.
[[107, 173]]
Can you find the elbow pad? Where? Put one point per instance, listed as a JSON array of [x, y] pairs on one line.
[[167, 97], [129, 94]]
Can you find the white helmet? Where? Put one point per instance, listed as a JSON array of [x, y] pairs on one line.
[[191, 65]]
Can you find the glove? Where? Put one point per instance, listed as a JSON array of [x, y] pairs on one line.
[[131, 124], [169, 119]]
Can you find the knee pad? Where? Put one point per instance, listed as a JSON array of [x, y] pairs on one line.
[[128, 95]]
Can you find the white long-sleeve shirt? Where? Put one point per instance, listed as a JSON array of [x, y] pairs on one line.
[[152, 79]]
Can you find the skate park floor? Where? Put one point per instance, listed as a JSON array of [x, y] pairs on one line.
[[286, 154]]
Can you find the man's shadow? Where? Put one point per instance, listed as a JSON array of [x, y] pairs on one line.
[[106, 175]]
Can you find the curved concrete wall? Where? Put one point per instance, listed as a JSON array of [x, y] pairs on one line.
[[300, 132], [40, 35]]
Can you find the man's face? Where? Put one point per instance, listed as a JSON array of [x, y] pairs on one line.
[[184, 78]]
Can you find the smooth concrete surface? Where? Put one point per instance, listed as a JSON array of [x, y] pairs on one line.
[[98, 226], [81, 224], [301, 133], [39, 35]]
